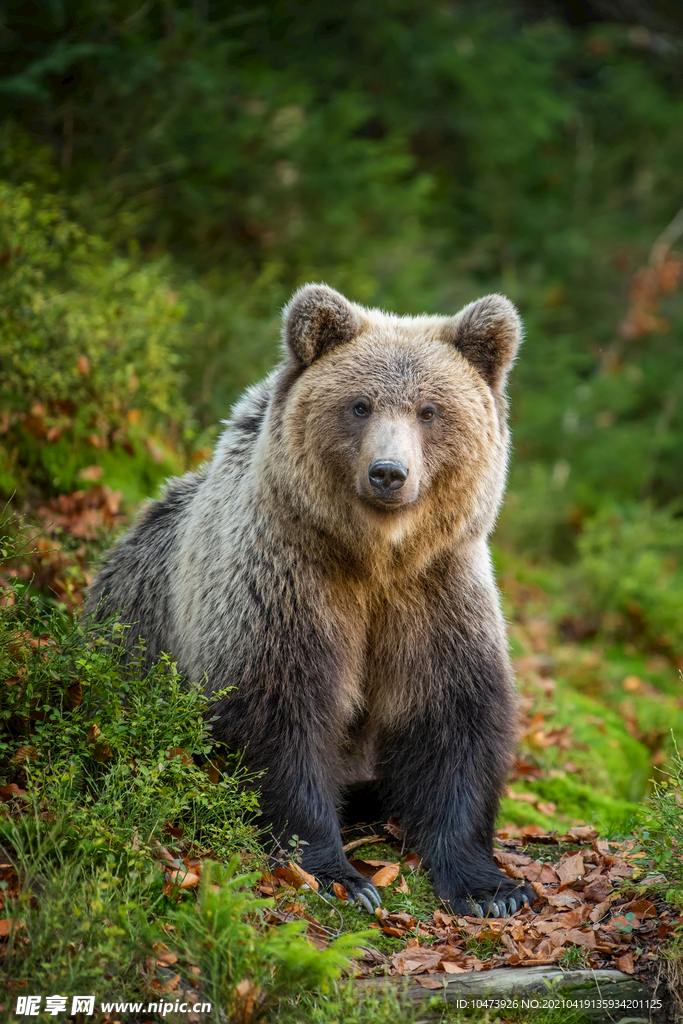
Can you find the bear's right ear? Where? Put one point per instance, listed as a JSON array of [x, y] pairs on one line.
[[488, 333], [316, 320]]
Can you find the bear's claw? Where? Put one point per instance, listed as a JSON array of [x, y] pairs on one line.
[[359, 890], [364, 895], [495, 903], [503, 907]]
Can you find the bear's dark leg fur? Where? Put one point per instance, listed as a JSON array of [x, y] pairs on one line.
[[444, 762], [298, 794], [289, 713]]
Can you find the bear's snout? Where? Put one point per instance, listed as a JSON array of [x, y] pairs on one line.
[[386, 478], [390, 464]]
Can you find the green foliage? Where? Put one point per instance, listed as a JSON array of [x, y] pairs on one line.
[[344, 1004], [76, 926], [414, 156], [112, 746], [574, 958], [269, 963], [629, 565], [88, 349], [661, 831]]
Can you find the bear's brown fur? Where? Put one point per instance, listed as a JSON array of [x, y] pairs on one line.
[[331, 564]]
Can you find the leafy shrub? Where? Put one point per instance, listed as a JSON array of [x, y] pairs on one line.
[[662, 829], [242, 964], [630, 573], [113, 747], [89, 344]]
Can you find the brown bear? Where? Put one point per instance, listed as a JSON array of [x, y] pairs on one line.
[[331, 565]]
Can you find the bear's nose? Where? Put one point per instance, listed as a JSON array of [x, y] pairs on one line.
[[387, 476]]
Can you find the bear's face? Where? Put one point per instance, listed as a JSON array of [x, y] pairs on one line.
[[389, 429]]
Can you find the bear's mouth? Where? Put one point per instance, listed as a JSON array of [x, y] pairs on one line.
[[391, 503]]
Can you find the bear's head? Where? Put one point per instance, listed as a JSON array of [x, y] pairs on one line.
[[395, 426]]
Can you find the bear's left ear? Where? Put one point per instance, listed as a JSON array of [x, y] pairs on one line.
[[488, 333], [317, 319]]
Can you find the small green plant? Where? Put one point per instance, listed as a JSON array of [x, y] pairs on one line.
[[113, 746], [574, 958], [73, 926], [484, 947], [241, 957], [344, 1004], [661, 831]]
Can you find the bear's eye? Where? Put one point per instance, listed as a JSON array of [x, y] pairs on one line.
[[427, 413], [361, 409]]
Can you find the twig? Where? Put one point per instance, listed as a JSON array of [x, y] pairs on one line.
[[361, 842]]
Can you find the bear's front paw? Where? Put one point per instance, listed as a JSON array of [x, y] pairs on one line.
[[500, 899], [363, 893], [359, 890]]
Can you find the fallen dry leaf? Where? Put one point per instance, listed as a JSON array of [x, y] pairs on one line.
[[245, 995], [412, 861], [295, 876], [99, 748], [12, 790], [642, 908], [562, 899], [24, 753], [386, 875], [599, 912], [581, 937], [598, 890], [415, 961], [509, 858], [394, 827], [533, 830], [451, 968], [582, 833], [74, 695], [570, 868], [181, 754], [625, 963], [186, 880], [7, 924]]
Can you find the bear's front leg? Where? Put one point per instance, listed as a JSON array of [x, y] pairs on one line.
[[444, 761], [299, 798], [442, 774], [287, 714]]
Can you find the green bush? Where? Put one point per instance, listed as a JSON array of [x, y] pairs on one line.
[[89, 352], [661, 831], [630, 574], [268, 964], [114, 747]]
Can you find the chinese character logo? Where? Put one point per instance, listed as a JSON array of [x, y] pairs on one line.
[[83, 1004], [55, 1004], [28, 1005]]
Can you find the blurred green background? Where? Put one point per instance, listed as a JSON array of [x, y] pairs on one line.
[[171, 171]]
